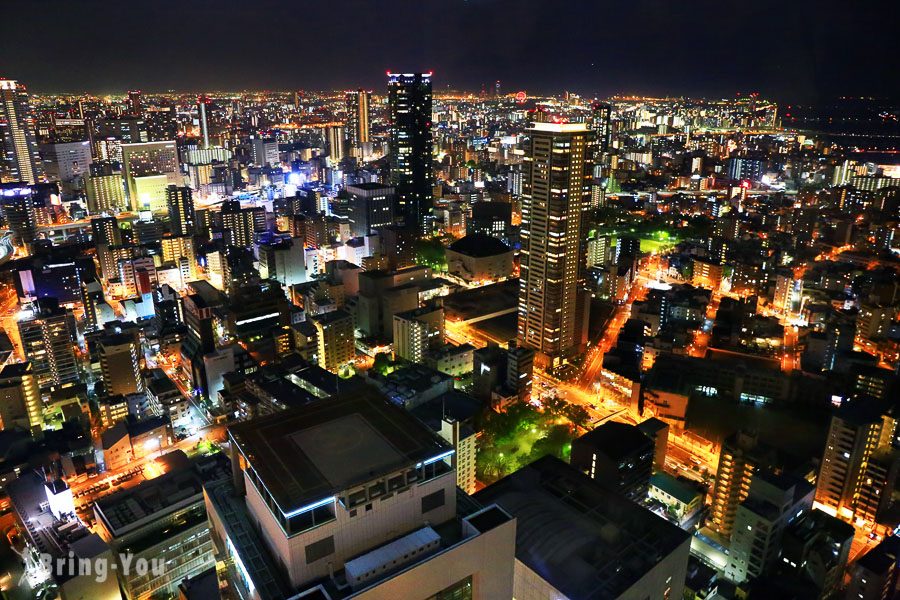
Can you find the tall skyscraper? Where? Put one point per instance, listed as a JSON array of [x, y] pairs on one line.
[[203, 103], [135, 103], [334, 136], [19, 158], [120, 364], [47, 339], [555, 191], [409, 97], [600, 125], [181, 210], [358, 117]]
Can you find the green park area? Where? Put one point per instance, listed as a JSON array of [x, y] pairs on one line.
[[652, 242], [523, 433]]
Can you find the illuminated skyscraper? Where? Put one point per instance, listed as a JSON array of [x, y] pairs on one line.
[[555, 191], [334, 136], [358, 117], [135, 103], [181, 210], [47, 340], [203, 102], [19, 159], [409, 96]]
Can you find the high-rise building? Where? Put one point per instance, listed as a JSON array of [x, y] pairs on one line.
[[149, 169], [19, 212], [242, 224], [283, 261], [773, 502], [358, 117], [857, 430], [334, 334], [556, 189], [180, 202], [135, 103], [358, 486], [105, 188], [740, 457], [334, 137], [19, 157], [409, 98], [48, 336], [120, 364], [105, 231], [67, 163], [264, 151], [202, 109], [371, 206], [600, 126], [20, 399]]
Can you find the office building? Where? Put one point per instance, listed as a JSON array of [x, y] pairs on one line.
[[555, 191], [149, 169], [19, 212], [161, 519], [358, 117], [575, 539], [409, 100], [120, 364], [48, 335], [67, 163], [20, 399], [418, 331], [135, 103], [105, 189], [282, 260], [336, 342], [353, 497], [19, 157], [180, 202], [491, 218], [264, 152], [618, 456], [334, 138], [241, 225], [371, 207]]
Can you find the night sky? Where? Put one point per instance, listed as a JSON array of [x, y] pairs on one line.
[[792, 50]]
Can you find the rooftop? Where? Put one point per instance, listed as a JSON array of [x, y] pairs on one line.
[[142, 504], [616, 439], [479, 245], [588, 543], [304, 454]]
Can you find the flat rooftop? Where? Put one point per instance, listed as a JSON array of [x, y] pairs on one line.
[[587, 542], [148, 501], [311, 452]]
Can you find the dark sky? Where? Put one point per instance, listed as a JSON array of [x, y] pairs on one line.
[[787, 49]]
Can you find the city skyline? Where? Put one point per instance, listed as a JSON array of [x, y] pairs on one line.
[[635, 48]]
